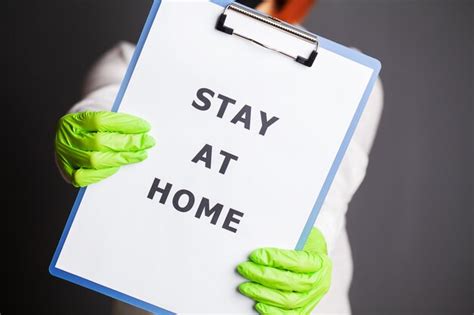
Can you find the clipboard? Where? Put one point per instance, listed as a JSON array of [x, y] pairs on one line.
[[306, 57]]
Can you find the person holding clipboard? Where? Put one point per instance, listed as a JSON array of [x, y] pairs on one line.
[[92, 144]]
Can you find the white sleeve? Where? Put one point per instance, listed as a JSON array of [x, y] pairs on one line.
[[331, 219], [103, 80]]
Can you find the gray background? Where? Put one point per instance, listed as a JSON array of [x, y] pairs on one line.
[[410, 224], [411, 221]]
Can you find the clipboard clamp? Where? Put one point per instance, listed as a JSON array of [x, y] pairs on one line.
[[273, 22]]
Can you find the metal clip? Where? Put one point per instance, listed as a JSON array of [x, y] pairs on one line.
[[276, 23]]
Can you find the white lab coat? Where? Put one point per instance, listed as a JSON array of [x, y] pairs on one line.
[[101, 87]]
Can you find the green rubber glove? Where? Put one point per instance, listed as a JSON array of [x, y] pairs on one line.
[[288, 281], [91, 146]]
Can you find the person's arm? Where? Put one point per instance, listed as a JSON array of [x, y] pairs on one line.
[[351, 173], [101, 88], [293, 282], [103, 81], [92, 143]]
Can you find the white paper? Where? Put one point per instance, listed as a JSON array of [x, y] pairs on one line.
[[122, 240]]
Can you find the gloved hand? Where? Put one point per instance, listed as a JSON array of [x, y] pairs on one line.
[[91, 146], [288, 281]]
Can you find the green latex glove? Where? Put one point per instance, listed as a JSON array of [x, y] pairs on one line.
[[288, 281], [91, 146]]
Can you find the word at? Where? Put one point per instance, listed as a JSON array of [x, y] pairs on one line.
[[205, 155]]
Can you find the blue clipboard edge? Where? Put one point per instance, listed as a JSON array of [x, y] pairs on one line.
[[325, 43], [376, 66]]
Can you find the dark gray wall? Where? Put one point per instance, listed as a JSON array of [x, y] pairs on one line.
[[49, 47], [411, 221]]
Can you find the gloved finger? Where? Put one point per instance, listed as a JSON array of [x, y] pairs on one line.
[[111, 141], [65, 168], [277, 278], [264, 309], [85, 177], [105, 122], [274, 297], [282, 299], [308, 308], [316, 242], [292, 260], [96, 159]]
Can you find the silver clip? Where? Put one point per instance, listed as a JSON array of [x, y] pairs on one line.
[[274, 22]]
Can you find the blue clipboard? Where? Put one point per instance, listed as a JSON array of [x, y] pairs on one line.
[[325, 43]]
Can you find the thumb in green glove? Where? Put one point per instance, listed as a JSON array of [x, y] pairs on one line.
[[91, 146], [288, 281]]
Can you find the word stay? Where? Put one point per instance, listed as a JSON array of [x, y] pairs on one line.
[[206, 97]]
